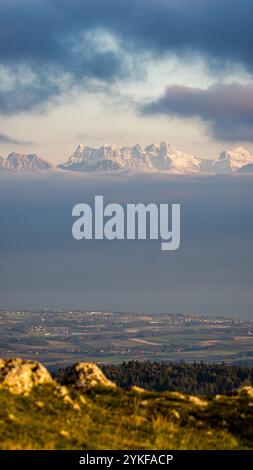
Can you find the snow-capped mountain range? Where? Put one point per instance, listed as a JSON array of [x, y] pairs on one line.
[[153, 157], [24, 163], [162, 158]]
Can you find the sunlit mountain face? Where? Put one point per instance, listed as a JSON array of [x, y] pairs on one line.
[[162, 158]]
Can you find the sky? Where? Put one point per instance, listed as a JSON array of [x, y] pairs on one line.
[[42, 266], [125, 71]]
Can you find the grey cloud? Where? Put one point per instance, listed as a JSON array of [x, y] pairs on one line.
[[227, 109], [47, 34]]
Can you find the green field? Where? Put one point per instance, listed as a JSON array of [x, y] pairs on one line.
[[58, 338]]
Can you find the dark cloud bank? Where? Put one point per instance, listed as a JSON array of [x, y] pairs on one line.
[[50, 38], [43, 30], [228, 109], [42, 266]]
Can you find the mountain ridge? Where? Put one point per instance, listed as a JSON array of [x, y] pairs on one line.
[[24, 163], [151, 158]]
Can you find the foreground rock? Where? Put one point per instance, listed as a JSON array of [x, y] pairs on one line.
[[20, 376], [246, 391], [84, 375]]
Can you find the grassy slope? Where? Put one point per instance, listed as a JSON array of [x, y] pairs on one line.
[[118, 419]]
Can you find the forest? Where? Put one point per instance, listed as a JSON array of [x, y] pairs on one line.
[[193, 378]]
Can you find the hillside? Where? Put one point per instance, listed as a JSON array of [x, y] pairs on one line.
[[84, 410]]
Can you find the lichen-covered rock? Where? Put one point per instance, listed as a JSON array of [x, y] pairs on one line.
[[178, 396], [20, 376], [197, 401], [136, 389], [83, 375], [247, 391]]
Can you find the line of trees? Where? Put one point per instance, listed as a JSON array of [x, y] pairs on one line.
[[195, 378]]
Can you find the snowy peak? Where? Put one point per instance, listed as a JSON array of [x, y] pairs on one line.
[[152, 157], [27, 162], [24, 163], [228, 161], [237, 157], [156, 157]]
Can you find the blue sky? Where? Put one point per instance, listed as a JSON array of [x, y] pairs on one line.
[[125, 71]]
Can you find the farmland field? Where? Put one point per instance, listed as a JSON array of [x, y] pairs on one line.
[[57, 338]]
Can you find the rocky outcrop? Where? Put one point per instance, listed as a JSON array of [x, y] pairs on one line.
[[83, 376], [198, 401], [20, 376], [246, 391]]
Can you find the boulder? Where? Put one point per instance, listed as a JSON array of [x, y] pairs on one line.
[[20, 376], [197, 401], [246, 391], [136, 389], [84, 375]]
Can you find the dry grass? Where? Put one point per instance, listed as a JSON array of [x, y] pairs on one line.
[[120, 419]]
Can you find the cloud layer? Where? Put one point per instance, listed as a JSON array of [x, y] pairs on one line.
[[6, 139], [43, 29], [227, 109], [54, 42]]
